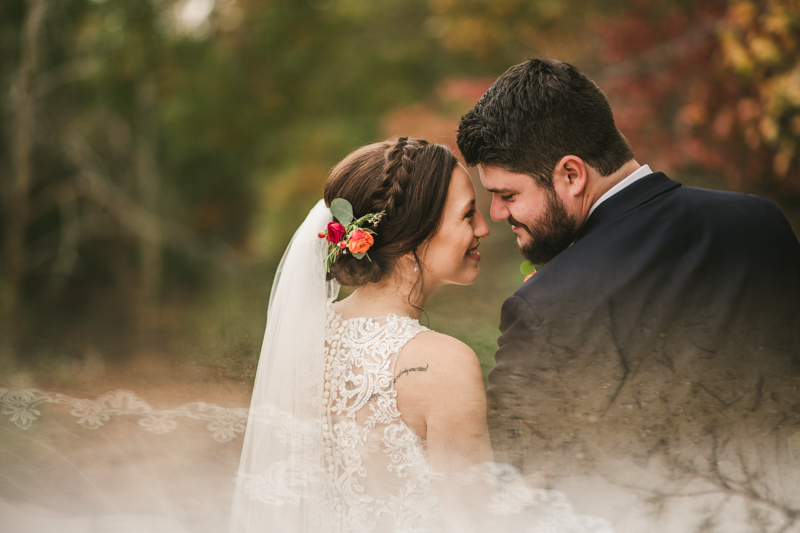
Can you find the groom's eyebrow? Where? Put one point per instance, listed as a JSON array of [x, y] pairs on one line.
[[500, 191]]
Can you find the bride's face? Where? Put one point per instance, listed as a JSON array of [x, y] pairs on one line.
[[452, 256]]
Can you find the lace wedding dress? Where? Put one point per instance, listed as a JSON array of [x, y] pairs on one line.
[[358, 468], [378, 476]]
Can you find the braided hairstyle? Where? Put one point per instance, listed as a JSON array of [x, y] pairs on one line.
[[406, 178]]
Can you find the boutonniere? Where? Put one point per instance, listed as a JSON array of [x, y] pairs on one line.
[[528, 269]]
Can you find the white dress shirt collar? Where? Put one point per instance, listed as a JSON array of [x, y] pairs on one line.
[[639, 173]]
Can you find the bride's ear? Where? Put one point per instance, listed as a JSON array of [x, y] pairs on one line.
[[412, 256], [570, 176]]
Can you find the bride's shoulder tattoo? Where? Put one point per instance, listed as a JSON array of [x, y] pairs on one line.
[[411, 369]]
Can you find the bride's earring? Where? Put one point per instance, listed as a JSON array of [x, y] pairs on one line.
[[416, 265]]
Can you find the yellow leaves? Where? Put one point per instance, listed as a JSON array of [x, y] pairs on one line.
[[735, 54], [789, 86], [781, 93], [781, 96], [776, 22], [742, 14], [440, 7], [437, 26], [760, 42], [768, 129], [503, 8], [489, 29], [754, 38], [764, 49], [550, 8], [472, 34], [783, 159]]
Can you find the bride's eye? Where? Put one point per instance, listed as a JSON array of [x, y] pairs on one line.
[[470, 213]]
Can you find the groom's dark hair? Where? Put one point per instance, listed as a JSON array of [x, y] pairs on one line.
[[538, 112]]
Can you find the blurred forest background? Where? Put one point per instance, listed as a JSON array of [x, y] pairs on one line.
[[157, 155]]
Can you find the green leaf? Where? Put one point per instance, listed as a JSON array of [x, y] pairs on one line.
[[358, 256], [342, 211], [527, 268]]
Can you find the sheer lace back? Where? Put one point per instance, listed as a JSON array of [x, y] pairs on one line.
[[378, 475]]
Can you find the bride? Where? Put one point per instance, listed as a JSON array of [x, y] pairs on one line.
[[362, 419]]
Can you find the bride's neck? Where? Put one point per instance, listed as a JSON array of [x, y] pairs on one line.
[[398, 296]]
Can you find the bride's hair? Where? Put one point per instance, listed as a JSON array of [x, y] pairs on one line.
[[406, 178]]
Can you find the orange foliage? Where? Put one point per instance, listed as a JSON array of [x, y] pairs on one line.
[[719, 89], [422, 122]]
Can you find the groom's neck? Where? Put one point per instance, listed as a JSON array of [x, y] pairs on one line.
[[598, 185]]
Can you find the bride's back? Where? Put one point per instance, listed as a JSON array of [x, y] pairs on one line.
[[378, 474]]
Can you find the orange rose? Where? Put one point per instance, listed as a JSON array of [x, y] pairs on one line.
[[360, 242]]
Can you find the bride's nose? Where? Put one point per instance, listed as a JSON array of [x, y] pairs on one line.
[[481, 227]]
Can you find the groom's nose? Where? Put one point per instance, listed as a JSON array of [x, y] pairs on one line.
[[498, 210]]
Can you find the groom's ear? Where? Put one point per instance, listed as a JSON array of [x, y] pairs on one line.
[[570, 176]]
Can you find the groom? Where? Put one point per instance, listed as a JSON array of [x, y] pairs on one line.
[[657, 351]]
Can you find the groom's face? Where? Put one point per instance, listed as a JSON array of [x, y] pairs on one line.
[[537, 215]]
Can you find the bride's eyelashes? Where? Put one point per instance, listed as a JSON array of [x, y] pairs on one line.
[[470, 213]]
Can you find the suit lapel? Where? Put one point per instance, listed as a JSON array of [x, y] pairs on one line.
[[629, 198]]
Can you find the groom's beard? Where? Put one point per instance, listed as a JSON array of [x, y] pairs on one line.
[[550, 235]]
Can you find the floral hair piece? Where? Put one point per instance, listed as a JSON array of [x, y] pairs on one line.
[[348, 233]]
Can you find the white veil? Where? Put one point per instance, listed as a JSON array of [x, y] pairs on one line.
[[280, 478]]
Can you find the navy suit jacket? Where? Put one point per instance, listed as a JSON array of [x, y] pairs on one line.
[[672, 323]]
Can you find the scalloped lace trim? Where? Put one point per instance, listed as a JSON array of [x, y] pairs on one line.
[[23, 408]]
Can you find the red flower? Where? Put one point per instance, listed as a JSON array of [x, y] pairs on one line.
[[360, 242], [336, 232]]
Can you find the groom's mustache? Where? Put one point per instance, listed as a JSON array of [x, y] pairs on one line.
[[514, 222]]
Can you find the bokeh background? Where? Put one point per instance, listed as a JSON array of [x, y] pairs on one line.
[[157, 155]]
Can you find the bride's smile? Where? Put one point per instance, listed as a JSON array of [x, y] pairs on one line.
[[451, 256]]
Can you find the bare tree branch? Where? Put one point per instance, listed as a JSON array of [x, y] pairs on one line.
[[748, 485], [72, 71], [17, 197], [70, 233], [94, 185]]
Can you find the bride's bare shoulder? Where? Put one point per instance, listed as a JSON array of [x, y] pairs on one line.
[[440, 346], [439, 384], [442, 357]]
